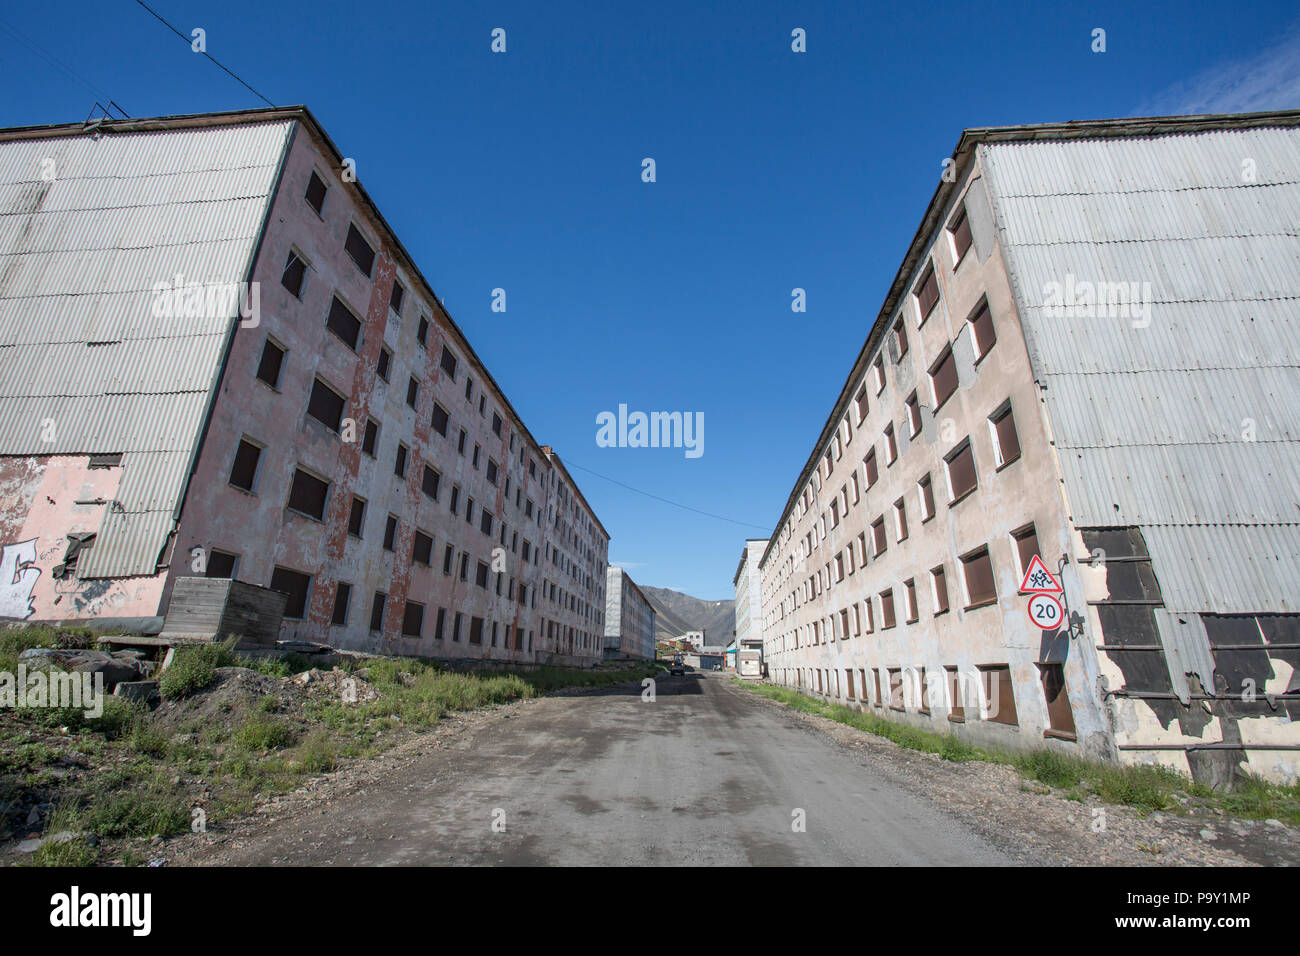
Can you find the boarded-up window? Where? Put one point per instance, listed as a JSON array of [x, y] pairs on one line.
[[913, 415], [925, 494], [960, 229], [977, 572], [1026, 540], [315, 195], [943, 377], [961, 471], [325, 405], [927, 293], [422, 549], [448, 363], [939, 589], [440, 420], [431, 481], [872, 469], [377, 611], [900, 519], [343, 323], [878, 537], [294, 275], [1006, 442], [878, 373], [956, 695], [268, 369], [1060, 717], [909, 600], [295, 585], [868, 616], [887, 617], [342, 597], [983, 331], [307, 494], [891, 445], [243, 473], [1001, 694], [360, 251], [896, 689], [860, 402], [900, 337], [412, 619]]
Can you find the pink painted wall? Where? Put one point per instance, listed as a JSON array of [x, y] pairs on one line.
[[42, 501]]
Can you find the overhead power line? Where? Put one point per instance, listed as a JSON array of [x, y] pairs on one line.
[[667, 501], [189, 43]]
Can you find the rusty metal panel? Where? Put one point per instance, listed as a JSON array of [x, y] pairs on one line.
[[1174, 418], [89, 227]]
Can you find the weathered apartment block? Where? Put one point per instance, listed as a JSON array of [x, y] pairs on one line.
[[749, 594], [629, 619], [217, 358], [1090, 353]]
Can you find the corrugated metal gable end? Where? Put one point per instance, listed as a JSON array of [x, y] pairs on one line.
[[1179, 420], [80, 256]]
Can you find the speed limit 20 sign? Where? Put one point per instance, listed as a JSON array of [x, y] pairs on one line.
[[1046, 612]]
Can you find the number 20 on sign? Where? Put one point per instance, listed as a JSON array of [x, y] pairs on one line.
[[1046, 612]]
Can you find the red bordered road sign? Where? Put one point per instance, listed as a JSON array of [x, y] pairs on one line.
[[1046, 612], [1039, 580]]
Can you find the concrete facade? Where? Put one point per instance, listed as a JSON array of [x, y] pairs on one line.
[[893, 580], [354, 452], [749, 594], [629, 619]]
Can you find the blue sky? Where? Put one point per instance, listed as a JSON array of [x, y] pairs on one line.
[[775, 170]]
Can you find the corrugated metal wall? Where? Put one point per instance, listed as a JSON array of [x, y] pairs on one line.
[[1154, 424], [88, 227]]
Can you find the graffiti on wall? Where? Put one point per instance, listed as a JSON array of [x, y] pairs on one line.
[[18, 575]]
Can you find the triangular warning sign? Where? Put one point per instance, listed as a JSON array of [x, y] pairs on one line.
[[1039, 580]]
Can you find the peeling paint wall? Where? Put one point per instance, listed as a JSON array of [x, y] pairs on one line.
[[542, 511], [804, 634], [44, 500]]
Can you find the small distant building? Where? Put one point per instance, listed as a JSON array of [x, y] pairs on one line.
[[629, 619], [749, 610]]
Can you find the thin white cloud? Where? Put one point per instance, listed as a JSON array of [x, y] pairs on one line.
[[628, 564], [1267, 81]]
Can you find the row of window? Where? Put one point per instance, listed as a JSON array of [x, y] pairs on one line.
[[978, 583], [962, 480], [986, 694]]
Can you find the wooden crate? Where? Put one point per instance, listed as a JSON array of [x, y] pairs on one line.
[[213, 608]]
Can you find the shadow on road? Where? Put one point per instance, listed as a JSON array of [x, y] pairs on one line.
[[663, 686]]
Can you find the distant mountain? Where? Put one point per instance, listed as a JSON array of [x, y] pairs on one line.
[[677, 613]]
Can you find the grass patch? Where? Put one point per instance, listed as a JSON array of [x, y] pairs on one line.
[[1145, 787], [317, 754], [260, 733], [194, 668]]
